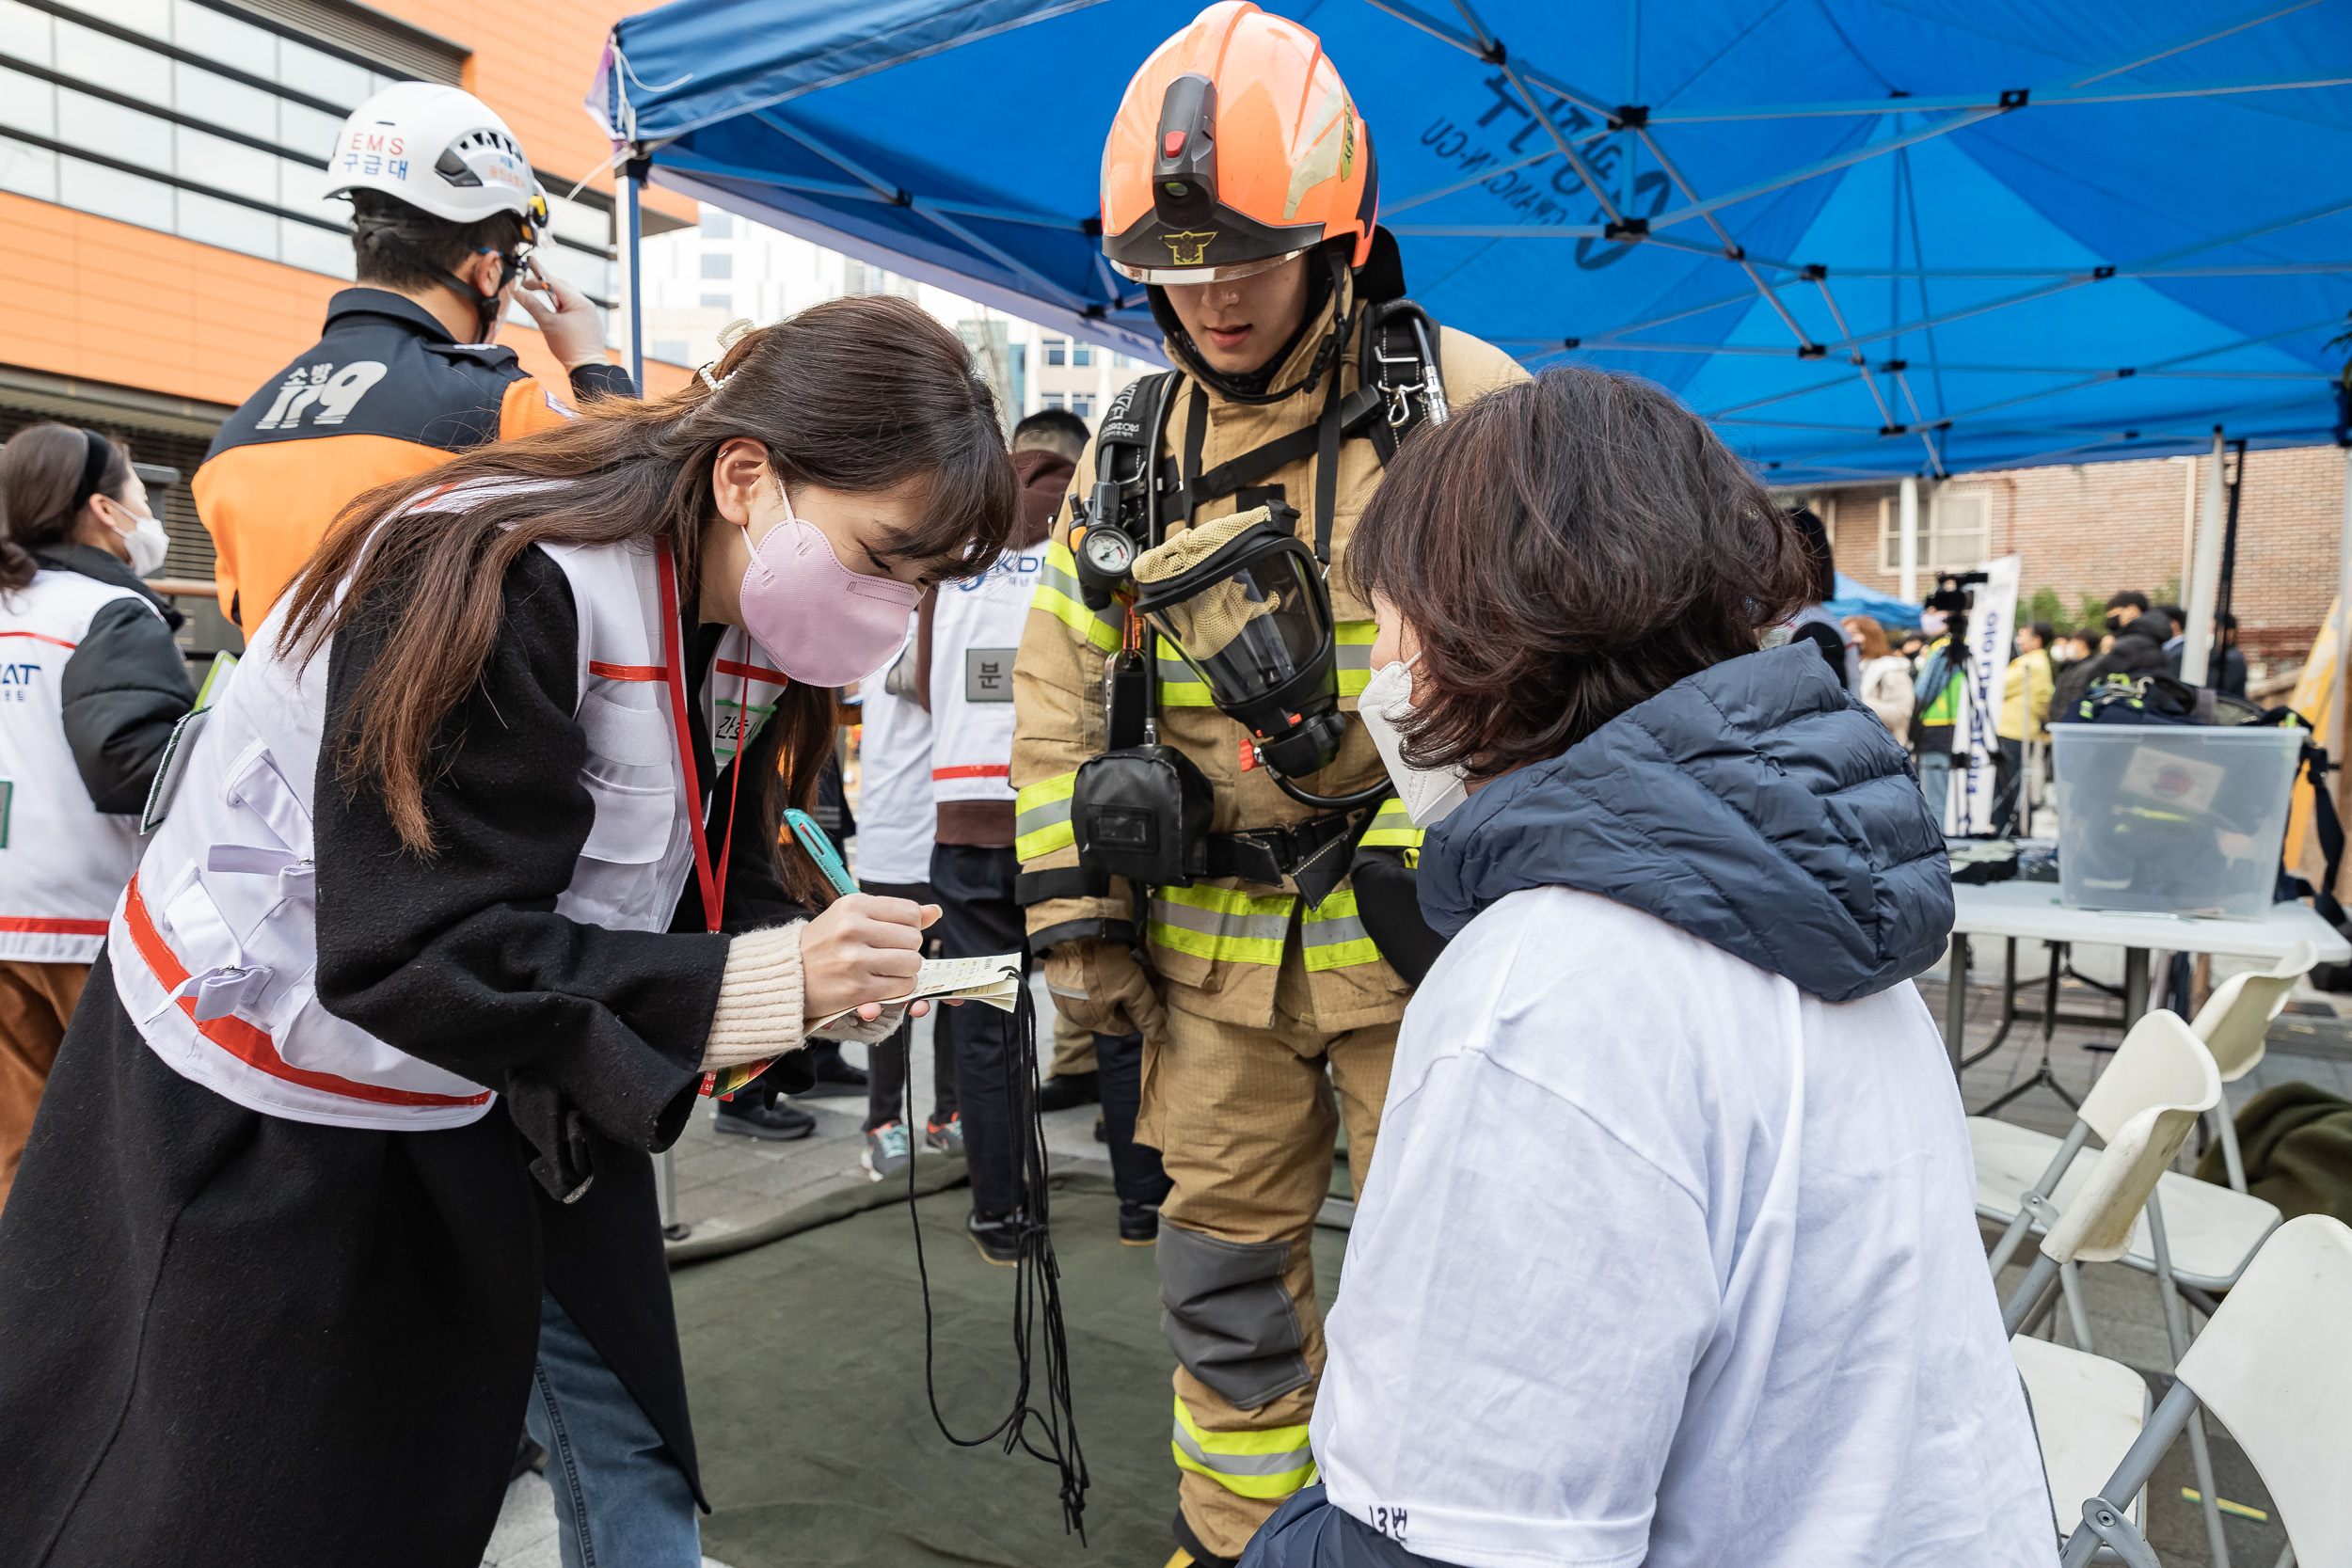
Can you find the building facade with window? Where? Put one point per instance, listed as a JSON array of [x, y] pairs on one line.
[[162, 221]]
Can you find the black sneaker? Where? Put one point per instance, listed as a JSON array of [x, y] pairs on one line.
[[1139, 1224], [777, 1123], [1064, 1093], [1102, 1133], [835, 1078], [998, 1237]]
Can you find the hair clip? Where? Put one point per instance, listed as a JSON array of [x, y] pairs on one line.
[[734, 333], [713, 382]]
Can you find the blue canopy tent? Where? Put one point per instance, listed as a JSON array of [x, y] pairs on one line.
[[1864, 239]]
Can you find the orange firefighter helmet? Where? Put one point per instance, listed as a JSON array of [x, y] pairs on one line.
[[1235, 149]]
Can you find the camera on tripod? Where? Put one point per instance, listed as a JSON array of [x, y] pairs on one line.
[[1950, 595]]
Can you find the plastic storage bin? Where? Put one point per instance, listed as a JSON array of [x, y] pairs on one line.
[[2172, 819]]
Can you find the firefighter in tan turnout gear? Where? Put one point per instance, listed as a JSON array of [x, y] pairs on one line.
[[1190, 793]]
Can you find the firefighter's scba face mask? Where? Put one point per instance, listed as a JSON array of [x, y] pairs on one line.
[[1244, 603]]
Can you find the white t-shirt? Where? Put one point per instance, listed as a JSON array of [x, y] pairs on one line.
[[897, 822], [1661, 1260]]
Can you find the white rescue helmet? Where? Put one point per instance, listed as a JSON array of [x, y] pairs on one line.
[[440, 149]]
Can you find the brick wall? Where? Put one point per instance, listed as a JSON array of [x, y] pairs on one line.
[[2100, 526]]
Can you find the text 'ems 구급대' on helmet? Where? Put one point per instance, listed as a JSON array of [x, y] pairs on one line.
[[1235, 149]]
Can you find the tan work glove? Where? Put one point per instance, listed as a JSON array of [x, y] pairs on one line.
[[1097, 985]]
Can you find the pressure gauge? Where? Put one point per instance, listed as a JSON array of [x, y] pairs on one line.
[[1109, 553]]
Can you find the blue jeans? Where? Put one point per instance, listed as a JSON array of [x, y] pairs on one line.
[[1935, 781], [1308, 1532], [620, 1499]]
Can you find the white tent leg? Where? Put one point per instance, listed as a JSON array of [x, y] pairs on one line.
[[2204, 586], [1907, 519]]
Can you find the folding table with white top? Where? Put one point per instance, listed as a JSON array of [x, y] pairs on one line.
[[2031, 910]]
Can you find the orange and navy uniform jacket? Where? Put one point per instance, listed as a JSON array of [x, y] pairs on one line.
[[384, 395]]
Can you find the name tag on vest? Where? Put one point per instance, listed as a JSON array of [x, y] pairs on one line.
[[988, 674]]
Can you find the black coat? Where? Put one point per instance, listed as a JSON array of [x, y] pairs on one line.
[[232, 1338], [2138, 650], [126, 685]]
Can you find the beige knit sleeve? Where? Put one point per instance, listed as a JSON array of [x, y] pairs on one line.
[[761, 1002]]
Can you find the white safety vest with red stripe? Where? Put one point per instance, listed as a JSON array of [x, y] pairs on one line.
[[62, 860], [215, 942], [976, 628]]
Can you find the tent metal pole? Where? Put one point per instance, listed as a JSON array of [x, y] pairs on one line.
[[634, 195], [2336, 710], [1907, 521], [2205, 583]]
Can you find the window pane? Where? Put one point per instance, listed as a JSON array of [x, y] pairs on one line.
[[24, 32], [97, 126], [306, 129], [28, 103], [28, 170], [1082, 353], [1053, 400], [218, 101], [717, 302], [718, 264], [298, 191], [315, 250], [228, 165], [146, 16], [718, 224], [228, 225], [591, 275], [224, 38], [111, 194], [306, 69], [579, 222], [1082, 405], [126, 67]]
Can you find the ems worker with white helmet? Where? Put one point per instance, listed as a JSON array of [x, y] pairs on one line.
[[470, 885], [445, 216], [1186, 827]]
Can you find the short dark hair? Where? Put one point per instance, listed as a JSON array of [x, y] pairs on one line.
[[398, 246], [2045, 631], [2171, 612], [1053, 429], [2129, 598], [1820, 558], [1566, 548]]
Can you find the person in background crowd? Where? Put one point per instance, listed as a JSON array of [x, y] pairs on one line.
[[354, 1120], [1668, 1252], [2135, 647], [1885, 687], [1912, 646], [405, 376], [965, 641], [2225, 665], [1813, 622], [2177, 618], [1935, 712], [2025, 715], [895, 820], [90, 687]]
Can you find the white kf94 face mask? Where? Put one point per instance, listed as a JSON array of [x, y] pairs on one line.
[[1427, 794]]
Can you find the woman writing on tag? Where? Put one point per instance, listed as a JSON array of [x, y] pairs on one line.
[[444, 929]]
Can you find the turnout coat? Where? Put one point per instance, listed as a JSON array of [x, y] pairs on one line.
[[228, 1337]]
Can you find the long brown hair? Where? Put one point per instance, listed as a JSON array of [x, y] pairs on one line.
[[40, 479], [1566, 548], [857, 395]]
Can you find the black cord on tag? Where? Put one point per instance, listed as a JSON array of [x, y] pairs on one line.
[[1037, 1283]]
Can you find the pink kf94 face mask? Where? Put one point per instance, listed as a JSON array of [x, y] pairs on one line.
[[823, 623]]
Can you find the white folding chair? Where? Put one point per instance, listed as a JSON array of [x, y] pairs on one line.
[[2096, 1224], [2087, 1413], [2276, 1366], [2213, 1230], [2234, 1023]]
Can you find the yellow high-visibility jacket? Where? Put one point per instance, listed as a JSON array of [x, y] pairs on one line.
[[1224, 938]]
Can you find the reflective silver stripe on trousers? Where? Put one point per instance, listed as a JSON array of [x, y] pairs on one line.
[[1242, 1464]]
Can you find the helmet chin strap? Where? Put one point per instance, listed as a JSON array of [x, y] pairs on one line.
[[486, 305]]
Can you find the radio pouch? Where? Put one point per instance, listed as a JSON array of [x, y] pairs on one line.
[[1123, 700], [1142, 813]]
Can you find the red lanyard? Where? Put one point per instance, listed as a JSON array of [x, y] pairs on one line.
[[674, 661]]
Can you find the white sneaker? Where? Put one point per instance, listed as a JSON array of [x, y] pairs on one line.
[[885, 1150]]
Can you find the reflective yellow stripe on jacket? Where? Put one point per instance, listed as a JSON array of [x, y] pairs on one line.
[[1334, 935], [1179, 685], [1272, 1462], [1355, 639], [1041, 821], [1392, 830], [1058, 595], [1219, 923]]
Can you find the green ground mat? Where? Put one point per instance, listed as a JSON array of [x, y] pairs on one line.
[[804, 1363]]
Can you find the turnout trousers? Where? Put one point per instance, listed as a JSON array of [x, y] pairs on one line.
[[1245, 1119]]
